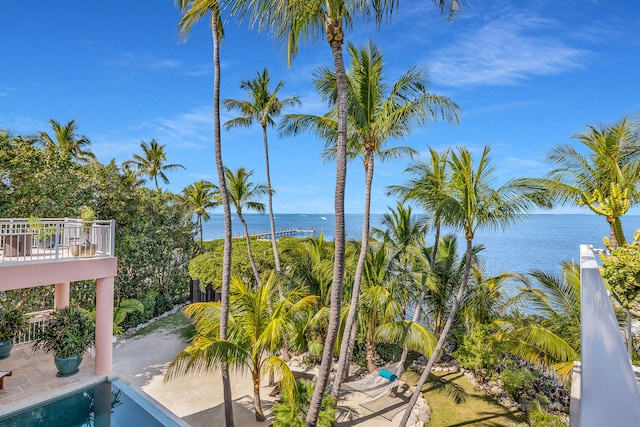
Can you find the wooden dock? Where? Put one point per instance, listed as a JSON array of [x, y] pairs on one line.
[[280, 233]]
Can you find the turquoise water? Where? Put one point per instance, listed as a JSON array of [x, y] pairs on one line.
[[110, 404], [538, 242]]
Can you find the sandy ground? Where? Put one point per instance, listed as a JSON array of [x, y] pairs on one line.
[[198, 399]]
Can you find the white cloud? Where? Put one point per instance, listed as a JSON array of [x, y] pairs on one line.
[[144, 61], [187, 129], [504, 51]]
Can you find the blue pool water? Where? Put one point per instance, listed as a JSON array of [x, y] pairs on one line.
[[110, 404]]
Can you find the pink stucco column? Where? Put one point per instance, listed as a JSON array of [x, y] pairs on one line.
[[61, 295], [104, 325]]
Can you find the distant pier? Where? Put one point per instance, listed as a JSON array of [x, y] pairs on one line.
[[280, 233]]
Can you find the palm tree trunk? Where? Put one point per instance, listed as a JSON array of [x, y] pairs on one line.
[[226, 259], [201, 238], [274, 245], [423, 294], [427, 370], [249, 253], [357, 281], [335, 36], [272, 222], [371, 348], [352, 343], [257, 406]]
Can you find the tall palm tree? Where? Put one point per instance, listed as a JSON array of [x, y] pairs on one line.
[[263, 105], [257, 321], [377, 112], [302, 20], [243, 195], [405, 235], [152, 162], [67, 141], [605, 179], [199, 197], [193, 11], [471, 203]]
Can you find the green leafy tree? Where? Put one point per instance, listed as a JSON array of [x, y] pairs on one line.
[[263, 105], [152, 162]]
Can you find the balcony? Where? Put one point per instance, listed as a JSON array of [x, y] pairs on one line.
[[604, 389], [59, 252], [52, 240]]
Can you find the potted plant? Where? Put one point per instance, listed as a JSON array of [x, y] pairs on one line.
[[85, 248], [12, 322], [46, 237], [68, 334]]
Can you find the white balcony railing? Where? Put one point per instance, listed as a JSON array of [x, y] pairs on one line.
[[605, 390], [24, 240]]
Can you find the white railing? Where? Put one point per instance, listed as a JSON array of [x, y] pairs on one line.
[[604, 391], [37, 322], [25, 240]]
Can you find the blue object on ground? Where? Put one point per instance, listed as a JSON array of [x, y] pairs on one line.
[[388, 375]]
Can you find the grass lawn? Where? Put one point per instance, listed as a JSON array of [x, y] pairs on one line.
[[477, 410], [174, 323]]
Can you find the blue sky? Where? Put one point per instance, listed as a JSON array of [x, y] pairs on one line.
[[527, 75]]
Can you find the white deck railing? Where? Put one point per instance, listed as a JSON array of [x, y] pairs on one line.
[[37, 321], [604, 390], [24, 240]]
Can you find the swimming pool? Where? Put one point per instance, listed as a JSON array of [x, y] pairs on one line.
[[109, 404]]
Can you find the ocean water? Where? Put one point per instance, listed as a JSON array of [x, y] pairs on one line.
[[540, 241]]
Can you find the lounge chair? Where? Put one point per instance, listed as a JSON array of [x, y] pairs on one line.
[[2, 375], [376, 382]]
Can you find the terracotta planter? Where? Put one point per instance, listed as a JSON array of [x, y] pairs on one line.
[[83, 250]]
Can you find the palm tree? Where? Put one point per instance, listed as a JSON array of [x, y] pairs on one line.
[[67, 141], [199, 197], [243, 194], [312, 270], [193, 11], [472, 203], [263, 105], [426, 188], [405, 235], [550, 338], [256, 324], [377, 112], [152, 162], [605, 179], [293, 21]]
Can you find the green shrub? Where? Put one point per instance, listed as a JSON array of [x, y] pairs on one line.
[[163, 304], [478, 354], [518, 382], [538, 417], [136, 318], [288, 413]]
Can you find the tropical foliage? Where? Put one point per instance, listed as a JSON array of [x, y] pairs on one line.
[[257, 324]]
